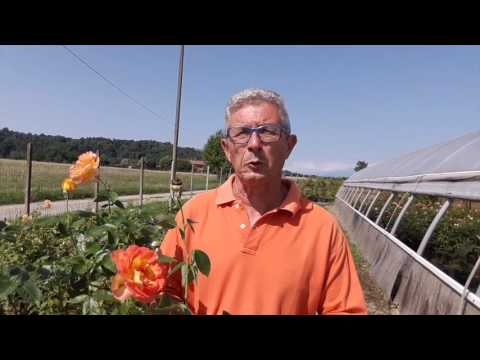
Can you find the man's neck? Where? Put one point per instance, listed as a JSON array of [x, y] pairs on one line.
[[262, 197]]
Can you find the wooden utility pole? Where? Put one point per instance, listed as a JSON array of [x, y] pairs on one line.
[[177, 121]]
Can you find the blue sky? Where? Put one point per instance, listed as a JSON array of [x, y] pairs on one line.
[[346, 103]]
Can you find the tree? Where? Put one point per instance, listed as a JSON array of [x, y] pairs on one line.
[[165, 163], [213, 153], [360, 165]]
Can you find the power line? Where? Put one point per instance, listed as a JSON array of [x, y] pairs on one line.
[[110, 82]]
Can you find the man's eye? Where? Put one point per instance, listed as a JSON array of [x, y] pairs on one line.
[[268, 131]]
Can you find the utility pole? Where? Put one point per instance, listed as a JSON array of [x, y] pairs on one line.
[[173, 180]]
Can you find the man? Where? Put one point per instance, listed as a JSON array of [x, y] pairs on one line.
[[272, 251]]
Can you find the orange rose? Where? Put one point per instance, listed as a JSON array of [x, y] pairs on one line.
[[139, 274], [85, 169], [68, 185]]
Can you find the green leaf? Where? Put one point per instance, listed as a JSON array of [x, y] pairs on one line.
[[108, 264], [166, 259], [182, 233], [103, 295], [78, 299], [190, 223], [202, 261], [85, 214], [7, 286], [119, 204], [44, 272], [15, 270], [165, 221], [112, 196], [186, 310], [62, 229], [92, 248], [30, 292], [80, 265]]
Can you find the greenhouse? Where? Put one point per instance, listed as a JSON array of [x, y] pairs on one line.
[[416, 220]]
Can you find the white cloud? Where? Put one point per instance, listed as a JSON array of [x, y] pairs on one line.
[[319, 167]]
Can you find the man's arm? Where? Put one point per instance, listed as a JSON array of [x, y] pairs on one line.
[[343, 293]]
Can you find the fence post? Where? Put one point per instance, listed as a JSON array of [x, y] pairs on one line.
[[142, 162], [221, 175], [28, 183], [96, 186], [208, 174], [191, 182]]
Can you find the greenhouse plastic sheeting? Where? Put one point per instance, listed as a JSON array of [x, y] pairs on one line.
[[454, 160]]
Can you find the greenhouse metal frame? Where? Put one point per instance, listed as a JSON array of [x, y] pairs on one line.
[[450, 170]]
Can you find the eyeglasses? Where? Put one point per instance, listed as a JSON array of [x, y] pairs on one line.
[[267, 133]]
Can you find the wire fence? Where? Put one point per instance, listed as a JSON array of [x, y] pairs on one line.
[[46, 179]]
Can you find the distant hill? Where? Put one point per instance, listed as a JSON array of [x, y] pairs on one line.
[[113, 152]]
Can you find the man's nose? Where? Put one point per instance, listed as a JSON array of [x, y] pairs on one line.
[[254, 143]]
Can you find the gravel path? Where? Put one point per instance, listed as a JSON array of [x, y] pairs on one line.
[[58, 207]]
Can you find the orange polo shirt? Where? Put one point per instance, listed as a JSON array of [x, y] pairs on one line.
[[294, 260]]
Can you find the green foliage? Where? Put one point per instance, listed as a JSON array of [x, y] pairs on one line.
[[65, 150], [455, 244], [213, 153], [165, 163], [360, 165], [64, 265], [321, 189]]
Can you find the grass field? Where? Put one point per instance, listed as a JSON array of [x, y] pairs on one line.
[[47, 179]]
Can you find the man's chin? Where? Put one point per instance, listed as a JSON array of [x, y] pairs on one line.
[[252, 177]]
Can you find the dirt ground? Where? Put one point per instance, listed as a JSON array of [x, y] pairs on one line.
[[377, 303]]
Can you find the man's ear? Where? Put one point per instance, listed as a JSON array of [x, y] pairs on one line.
[[291, 142], [226, 151]]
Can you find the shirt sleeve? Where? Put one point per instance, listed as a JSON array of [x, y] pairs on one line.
[[343, 293]]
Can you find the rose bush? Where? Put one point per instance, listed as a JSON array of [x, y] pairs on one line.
[[85, 262]]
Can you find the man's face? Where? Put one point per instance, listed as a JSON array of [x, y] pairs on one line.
[[256, 161]]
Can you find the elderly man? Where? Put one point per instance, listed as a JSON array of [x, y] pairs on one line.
[[272, 251]]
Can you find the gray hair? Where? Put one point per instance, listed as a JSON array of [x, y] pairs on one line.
[[257, 96]]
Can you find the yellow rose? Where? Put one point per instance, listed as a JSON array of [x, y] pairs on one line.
[[68, 185], [85, 169], [26, 219]]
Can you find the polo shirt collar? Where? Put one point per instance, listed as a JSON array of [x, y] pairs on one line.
[[292, 202]]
